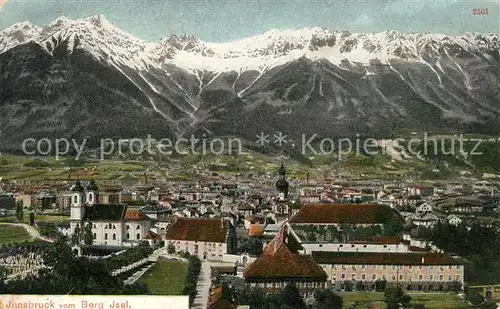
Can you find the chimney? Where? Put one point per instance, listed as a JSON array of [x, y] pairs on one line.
[[423, 260]]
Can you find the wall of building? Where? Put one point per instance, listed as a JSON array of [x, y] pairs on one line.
[[305, 287], [336, 247], [213, 250], [415, 275], [118, 233]]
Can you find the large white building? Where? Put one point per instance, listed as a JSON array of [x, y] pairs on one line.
[[111, 224], [206, 238]]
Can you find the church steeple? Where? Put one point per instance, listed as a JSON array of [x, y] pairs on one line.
[[282, 183]]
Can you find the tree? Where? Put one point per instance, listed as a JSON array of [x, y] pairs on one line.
[[254, 298], [455, 286], [194, 269], [291, 296], [3, 275], [64, 275], [380, 285], [348, 286], [251, 246], [19, 211], [396, 298], [326, 299], [75, 238], [393, 227], [170, 249], [32, 218], [88, 238]]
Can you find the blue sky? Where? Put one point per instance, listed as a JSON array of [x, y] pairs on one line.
[[226, 20]]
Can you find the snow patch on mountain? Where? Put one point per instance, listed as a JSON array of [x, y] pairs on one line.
[[19, 33], [106, 42]]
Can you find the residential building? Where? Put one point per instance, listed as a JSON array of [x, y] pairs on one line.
[[422, 190], [425, 219], [454, 220], [424, 207], [109, 198], [206, 238], [282, 263], [427, 271]]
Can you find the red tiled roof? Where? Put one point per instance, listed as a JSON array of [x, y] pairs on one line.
[[383, 258], [206, 230], [278, 261], [343, 213], [135, 215], [284, 264]]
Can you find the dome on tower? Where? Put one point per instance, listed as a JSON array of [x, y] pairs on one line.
[[92, 186], [77, 187], [282, 170]]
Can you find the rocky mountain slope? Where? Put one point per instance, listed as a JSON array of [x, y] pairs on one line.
[[87, 78]]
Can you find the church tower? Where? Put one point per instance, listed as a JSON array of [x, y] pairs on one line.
[[282, 184], [77, 205], [92, 193]]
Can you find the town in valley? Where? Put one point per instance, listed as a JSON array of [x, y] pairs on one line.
[[248, 240]]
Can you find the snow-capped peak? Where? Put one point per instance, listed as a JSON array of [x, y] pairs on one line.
[[59, 21], [100, 20], [107, 42], [18, 33], [22, 26]]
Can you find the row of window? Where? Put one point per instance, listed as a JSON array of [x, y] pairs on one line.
[[196, 252], [113, 227], [206, 245], [137, 236], [401, 277], [283, 284], [354, 267]]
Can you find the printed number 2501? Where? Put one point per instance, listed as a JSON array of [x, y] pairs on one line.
[[479, 11]]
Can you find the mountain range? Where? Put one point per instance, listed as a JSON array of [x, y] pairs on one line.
[[87, 78]]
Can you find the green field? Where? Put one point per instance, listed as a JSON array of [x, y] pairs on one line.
[[381, 165], [13, 234], [430, 300], [38, 219], [165, 278]]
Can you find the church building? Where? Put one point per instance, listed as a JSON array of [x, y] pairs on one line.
[[106, 224], [283, 207]]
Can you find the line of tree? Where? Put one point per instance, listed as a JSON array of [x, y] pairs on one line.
[[69, 274], [478, 245], [130, 256], [397, 298], [290, 298], [191, 281], [19, 211]]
